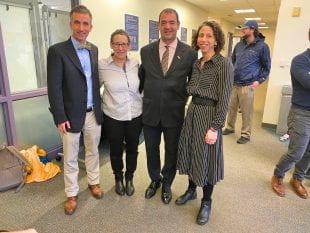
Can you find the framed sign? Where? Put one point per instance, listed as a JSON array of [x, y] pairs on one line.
[[132, 28], [153, 31], [184, 34]]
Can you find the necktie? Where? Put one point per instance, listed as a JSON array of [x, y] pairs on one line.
[[164, 60], [84, 46]]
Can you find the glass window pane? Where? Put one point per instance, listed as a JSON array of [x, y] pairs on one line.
[[19, 50], [3, 139], [59, 27], [34, 123]]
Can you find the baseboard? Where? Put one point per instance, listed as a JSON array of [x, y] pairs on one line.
[[267, 125]]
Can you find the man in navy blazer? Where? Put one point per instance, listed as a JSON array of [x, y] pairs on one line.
[[165, 69], [73, 92]]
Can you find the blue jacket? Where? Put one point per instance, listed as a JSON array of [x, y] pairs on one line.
[[300, 74], [251, 62]]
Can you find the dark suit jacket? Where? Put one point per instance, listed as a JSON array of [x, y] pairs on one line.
[[165, 96], [67, 87]]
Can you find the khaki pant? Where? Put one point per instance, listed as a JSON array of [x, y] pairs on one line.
[[243, 97], [91, 134]]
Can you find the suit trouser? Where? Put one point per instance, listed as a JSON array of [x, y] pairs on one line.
[[71, 141], [118, 132], [243, 97], [152, 136], [299, 147]]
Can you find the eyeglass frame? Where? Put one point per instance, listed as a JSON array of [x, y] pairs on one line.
[[122, 45]]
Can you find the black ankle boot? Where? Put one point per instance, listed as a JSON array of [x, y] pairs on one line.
[[130, 189], [190, 194], [119, 187], [204, 212]]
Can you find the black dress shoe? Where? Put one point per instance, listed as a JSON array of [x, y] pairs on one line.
[[166, 194], [130, 189], [190, 194], [243, 140], [204, 212], [151, 190], [119, 187], [228, 131]]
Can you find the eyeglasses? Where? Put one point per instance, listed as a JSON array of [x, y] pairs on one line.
[[122, 45]]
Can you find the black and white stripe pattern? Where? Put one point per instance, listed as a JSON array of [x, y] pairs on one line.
[[204, 163]]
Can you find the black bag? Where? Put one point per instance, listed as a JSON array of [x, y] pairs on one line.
[[12, 168]]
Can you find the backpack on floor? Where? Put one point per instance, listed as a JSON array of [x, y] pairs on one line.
[[12, 168]]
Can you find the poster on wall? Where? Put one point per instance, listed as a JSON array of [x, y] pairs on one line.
[[132, 28], [153, 31], [184, 34]]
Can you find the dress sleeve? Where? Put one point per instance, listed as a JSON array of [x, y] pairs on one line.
[[225, 77]]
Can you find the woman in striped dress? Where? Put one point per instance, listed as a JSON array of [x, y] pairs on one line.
[[200, 152]]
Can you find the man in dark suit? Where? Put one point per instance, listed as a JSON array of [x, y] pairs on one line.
[[164, 72], [73, 92]]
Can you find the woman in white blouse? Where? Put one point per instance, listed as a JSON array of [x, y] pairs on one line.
[[122, 108]]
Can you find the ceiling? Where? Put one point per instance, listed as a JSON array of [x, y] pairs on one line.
[[224, 9]]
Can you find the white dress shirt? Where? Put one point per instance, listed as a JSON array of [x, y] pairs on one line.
[[121, 99]]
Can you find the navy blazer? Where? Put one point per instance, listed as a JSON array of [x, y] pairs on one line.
[[67, 87], [165, 95]]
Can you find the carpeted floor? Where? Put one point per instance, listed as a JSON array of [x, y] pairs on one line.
[[242, 202]]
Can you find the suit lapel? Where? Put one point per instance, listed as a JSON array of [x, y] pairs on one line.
[[155, 56], [73, 56], [178, 56], [92, 57]]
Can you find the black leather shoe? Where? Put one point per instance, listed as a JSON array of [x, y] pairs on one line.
[[243, 140], [228, 131], [119, 187], [130, 189], [204, 212], [151, 190], [166, 194], [190, 194]]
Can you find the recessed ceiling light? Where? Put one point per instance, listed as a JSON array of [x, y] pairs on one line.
[[263, 27], [261, 23], [244, 11], [258, 18]]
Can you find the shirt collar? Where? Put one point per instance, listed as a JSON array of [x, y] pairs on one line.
[[110, 60], [75, 42], [216, 57], [171, 45]]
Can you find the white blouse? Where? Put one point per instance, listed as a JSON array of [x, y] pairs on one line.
[[121, 99]]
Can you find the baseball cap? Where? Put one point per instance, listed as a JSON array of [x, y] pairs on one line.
[[249, 24]]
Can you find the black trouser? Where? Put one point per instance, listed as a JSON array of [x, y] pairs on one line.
[[207, 190], [152, 136], [119, 132]]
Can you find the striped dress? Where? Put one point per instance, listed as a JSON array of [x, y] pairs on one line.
[[204, 163]]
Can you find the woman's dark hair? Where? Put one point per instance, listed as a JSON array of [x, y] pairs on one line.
[[218, 34], [119, 32]]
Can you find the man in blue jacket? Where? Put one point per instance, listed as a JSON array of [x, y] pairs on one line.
[[251, 59], [298, 153]]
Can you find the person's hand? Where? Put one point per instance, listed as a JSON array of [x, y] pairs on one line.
[[62, 127], [254, 85], [211, 136]]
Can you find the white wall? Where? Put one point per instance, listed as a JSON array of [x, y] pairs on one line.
[[291, 38], [108, 15]]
